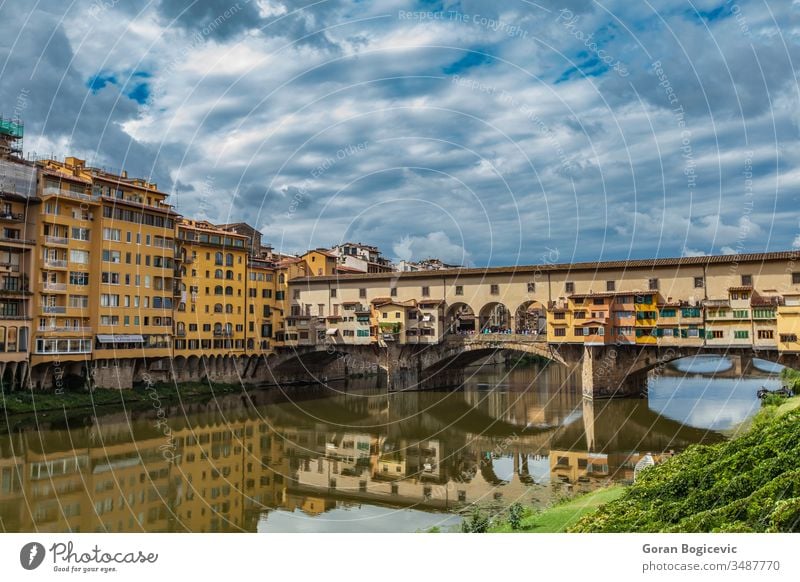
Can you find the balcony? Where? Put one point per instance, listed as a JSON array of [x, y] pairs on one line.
[[54, 191], [49, 286], [55, 263], [12, 216], [63, 328], [56, 240]]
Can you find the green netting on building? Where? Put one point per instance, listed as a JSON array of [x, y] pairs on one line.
[[10, 128]]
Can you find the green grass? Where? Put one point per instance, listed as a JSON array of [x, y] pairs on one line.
[[27, 402], [561, 516], [748, 484]]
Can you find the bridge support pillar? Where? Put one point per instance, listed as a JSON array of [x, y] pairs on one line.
[[605, 372]]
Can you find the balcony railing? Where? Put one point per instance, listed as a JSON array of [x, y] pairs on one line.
[[48, 286], [16, 216], [63, 328], [54, 309], [53, 191], [56, 240], [56, 263]]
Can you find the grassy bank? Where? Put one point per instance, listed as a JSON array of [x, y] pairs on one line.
[[559, 517], [13, 403], [748, 484]]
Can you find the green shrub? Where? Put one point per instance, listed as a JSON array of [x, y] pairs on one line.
[[476, 523], [515, 513], [748, 484]]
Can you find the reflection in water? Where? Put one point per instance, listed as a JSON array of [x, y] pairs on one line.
[[350, 459]]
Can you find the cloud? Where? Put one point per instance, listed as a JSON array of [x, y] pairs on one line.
[[484, 144]]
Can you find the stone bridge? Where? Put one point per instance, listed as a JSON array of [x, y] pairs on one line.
[[606, 371]]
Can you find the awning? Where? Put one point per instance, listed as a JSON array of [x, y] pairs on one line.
[[124, 339], [332, 331]]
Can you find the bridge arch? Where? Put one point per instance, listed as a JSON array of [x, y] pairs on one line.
[[530, 318], [494, 317], [460, 319]]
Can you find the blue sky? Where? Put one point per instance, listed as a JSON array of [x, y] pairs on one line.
[[477, 131]]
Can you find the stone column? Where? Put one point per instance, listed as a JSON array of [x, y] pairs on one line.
[[611, 371]]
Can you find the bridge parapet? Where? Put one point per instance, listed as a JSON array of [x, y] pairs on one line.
[[498, 338]]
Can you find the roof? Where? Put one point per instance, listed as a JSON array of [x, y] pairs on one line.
[[741, 288], [581, 266], [343, 269], [325, 252]]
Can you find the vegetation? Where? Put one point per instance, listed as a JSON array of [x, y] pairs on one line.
[[559, 517], [515, 513], [748, 484], [25, 402], [476, 523], [791, 379]]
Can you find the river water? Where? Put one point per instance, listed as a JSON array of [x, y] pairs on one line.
[[352, 457]]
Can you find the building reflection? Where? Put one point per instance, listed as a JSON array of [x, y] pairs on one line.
[[226, 465]]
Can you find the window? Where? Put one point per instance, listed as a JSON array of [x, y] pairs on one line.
[[569, 287], [426, 291], [218, 290], [765, 334], [741, 313], [80, 233], [795, 278], [699, 282], [560, 331], [559, 315], [788, 337], [78, 278], [107, 300], [229, 260], [109, 278], [741, 334], [715, 334], [80, 257], [393, 292], [362, 292], [747, 280], [111, 256], [333, 292], [111, 234], [652, 284], [459, 289], [218, 274], [610, 285], [79, 301], [494, 289]]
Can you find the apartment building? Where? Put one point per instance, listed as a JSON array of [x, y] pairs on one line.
[[210, 317], [18, 216]]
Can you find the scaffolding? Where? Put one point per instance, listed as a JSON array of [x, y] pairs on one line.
[[11, 132]]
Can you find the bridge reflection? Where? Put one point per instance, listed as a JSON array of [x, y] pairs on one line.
[[225, 465]]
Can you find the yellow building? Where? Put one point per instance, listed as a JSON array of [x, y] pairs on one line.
[[211, 313], [106, 275], [262, 312]]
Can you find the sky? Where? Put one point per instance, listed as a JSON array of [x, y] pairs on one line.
[[476, 131]]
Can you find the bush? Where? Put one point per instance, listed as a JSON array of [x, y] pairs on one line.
[[515, 513], [748, 484], [476, 523]]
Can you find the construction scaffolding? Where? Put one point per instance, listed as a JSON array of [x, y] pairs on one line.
[[11, 132]]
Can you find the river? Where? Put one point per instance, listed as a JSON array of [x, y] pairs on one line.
[[351, 457]]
